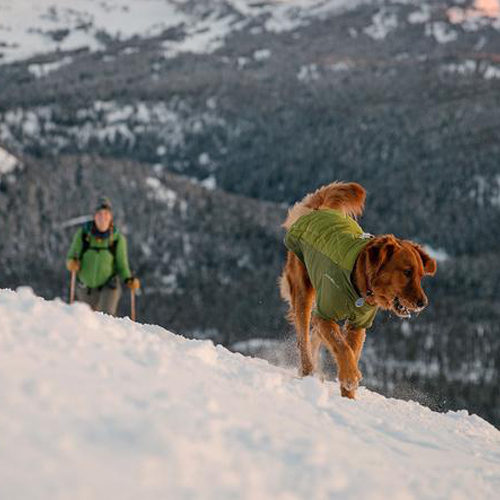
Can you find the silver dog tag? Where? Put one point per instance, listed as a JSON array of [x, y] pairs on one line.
[[360, 302]]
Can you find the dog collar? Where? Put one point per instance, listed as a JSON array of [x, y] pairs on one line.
[[361, 301]]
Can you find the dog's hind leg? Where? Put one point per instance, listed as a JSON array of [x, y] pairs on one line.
[[302, 307], [301, 300], [316, 344], [348, 373]]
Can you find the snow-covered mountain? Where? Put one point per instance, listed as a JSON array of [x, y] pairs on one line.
[[34, 27], [31, 27], [98, 407]]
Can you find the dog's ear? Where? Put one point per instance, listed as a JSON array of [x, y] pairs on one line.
[[430, 264], [381, 251]]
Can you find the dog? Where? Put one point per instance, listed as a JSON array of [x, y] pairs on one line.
[[346, 275]]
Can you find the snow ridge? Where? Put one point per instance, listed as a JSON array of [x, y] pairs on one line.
[[32, 27], [98, 407]]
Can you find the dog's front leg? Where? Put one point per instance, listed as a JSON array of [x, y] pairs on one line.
[[348, 373], [355, 338]]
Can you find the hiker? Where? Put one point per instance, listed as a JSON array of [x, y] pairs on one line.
[[98, 254]]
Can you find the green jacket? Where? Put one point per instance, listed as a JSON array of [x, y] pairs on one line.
[[99, 263], [328, 243]]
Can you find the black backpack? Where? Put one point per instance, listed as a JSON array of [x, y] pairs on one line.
[[86, 234]]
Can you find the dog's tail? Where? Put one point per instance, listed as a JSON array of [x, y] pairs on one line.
[[347, 197]]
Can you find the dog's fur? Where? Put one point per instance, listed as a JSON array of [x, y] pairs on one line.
[[387, 273]]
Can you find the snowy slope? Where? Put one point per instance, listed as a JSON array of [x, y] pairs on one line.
[[97, 407]]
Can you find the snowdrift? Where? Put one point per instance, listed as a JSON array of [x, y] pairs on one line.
[[98, 407]]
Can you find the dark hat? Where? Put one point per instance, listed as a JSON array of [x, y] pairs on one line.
[[104, 203]]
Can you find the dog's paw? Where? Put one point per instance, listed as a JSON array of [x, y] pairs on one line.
[[350, 381], [347, 394], [306, 368], [305, 371], [349, 384]]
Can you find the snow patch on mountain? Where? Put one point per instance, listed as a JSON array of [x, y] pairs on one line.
[[8, 162], [100, 407], [39, 70], [471, 67], [36, 27], [32, 27], [106, 121], [383, 22]]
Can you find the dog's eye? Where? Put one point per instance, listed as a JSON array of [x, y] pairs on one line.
[[408, 273]]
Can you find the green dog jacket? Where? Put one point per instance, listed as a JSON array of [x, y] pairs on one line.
[[328, 244]]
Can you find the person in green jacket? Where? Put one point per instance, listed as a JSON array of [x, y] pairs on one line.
[[98, 254]]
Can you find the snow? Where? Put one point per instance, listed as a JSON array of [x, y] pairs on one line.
[[209, 183], [161, 193], [203, 37], [467, 67], [33, 27], [204, 159], [495, 197], [106, 121], [39, 70], [486, 190], [100, 407], [341, 66], [37, 27], [441, 32], [27, 26], [492, 72], [384, 22], [420, 16], [308, 73], [8, 162], [470, 67], [262, 54]]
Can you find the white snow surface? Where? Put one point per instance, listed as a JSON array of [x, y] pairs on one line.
[[98, 407]]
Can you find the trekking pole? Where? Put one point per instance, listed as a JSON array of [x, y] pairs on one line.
[[132, 304], [72, 287]]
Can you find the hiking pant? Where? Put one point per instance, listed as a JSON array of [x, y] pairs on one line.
[[104, 298]]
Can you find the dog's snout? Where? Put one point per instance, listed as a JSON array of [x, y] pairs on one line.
[[421, 303]]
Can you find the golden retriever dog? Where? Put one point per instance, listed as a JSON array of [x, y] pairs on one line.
[[346, 275]]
